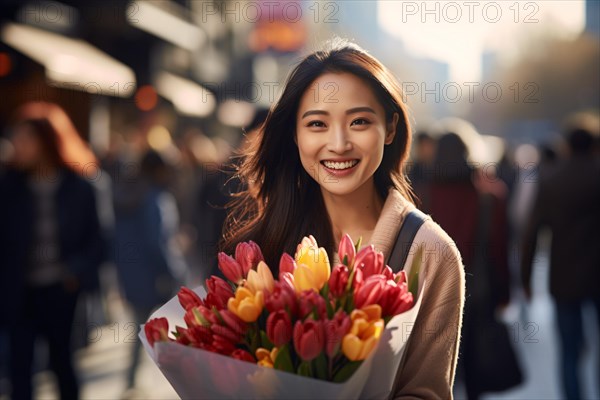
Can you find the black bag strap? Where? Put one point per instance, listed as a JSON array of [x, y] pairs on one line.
[[411, 225]]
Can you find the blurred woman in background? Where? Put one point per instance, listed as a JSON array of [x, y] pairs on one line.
[[50, 241]]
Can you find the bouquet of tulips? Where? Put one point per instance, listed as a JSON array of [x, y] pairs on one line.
[[301, 335]]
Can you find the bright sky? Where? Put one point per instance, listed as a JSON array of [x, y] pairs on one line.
[[457, 32]]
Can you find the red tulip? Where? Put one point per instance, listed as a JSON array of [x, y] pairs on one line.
[[219, 292], [370, 292], [309, 339], [338, 280], [369, 261], [283, 297], [310, 301], [188, 298], [182, 336], [279, 328], [248, 255], [400, 277], [393, 298], [157, 330], [347, 249], [233, 322], [243, 355], [396, 299], [199, 336], [335, 330], [287, 263], [230, 268]]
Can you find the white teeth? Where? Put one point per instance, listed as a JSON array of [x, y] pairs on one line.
[[340, 165]]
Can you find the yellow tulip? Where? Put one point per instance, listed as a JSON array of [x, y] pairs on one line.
[[261, 279], [246, 305], [364, 334], [265, 357], [313, 269]]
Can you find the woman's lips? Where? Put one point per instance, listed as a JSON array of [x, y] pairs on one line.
[[340, 168]]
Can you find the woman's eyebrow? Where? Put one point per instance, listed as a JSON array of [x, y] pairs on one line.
[[360, 109], [314, 112], [350, 111]]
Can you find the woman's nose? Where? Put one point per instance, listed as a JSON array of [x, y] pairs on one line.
[[339, 142]]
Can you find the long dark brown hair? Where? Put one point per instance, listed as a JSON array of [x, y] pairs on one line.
[[280, 202]]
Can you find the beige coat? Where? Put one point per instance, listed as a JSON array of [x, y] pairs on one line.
[[430, 361]]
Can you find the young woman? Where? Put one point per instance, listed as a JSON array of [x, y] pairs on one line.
[[329, 160]]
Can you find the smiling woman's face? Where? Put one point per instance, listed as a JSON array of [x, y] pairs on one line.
[[341, 132]]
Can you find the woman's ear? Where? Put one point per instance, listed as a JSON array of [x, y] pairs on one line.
[[391, 129]]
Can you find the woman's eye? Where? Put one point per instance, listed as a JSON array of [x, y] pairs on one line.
[[316, 124], [360, 121]]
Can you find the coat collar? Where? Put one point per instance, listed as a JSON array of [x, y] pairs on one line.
[[388, 225]]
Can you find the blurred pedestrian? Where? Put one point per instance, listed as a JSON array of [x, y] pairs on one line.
[[421, 170], [568, 203], [471, 207], [149, 264], [50, 242]]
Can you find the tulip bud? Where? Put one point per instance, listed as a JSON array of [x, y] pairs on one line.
[[347, 250], [279, 328], [369, 261], [230, 268], [219, 292], [309, 339], [188, 298], [338, 280], [261, 279], [388, 273], [370, 292], [335, 330], [157, 330], [310, 301], [282, 297], [248, 255], [246, 305], [287, 264]]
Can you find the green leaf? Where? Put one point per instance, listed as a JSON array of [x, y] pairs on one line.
[[325, 295], [347, 371], [304, 369], [265, 342], [413, 278], [320, 366], [358, 244], [283, 362], [345, 260]]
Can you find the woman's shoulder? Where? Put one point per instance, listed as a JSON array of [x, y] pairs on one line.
[[438, 246]]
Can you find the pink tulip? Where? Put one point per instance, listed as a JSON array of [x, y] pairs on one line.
[[338, 280], [157, 330], [283, 297], [248, 255], [370, 292], [310, 301], [279, 328], [369, 261], [219, 292], [388, 273], [346, 249], [335, 330], [188, 298], [230, 268], [287, 264], [309, 339]]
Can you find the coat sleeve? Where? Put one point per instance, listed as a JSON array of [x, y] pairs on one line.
[[431, 356]]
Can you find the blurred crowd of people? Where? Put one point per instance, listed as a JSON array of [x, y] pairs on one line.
[[156, 218]]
